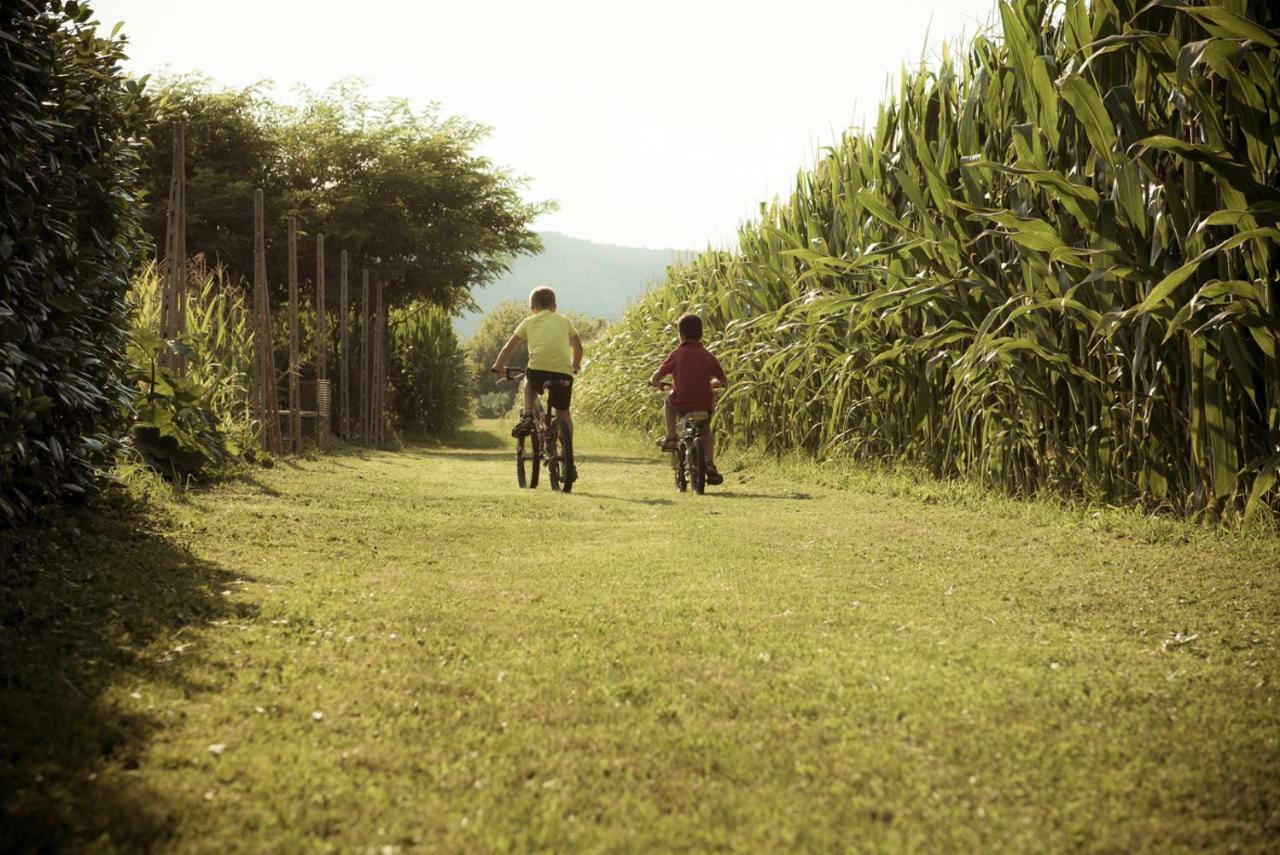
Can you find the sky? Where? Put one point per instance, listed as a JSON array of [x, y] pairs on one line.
[[662, 124]]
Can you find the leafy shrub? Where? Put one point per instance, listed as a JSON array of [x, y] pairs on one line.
[[68, 236], [430, 379], [196, 424], [176, 431]]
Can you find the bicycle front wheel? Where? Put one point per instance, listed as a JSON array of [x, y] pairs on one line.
[[524, 461], [677, 463], [550, 453], [569, 470]]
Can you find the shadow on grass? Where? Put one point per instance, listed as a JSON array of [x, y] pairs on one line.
[[588, 457], [735, 494], [650, 501], [80, 602]]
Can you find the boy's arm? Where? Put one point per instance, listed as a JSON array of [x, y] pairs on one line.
[[655, 380], [500, 364], [576, 343], [717, 373]]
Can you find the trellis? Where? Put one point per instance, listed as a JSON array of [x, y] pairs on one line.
[[310, 400]]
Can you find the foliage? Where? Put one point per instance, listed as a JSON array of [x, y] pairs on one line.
[[1051, 264], [197, 423], [68, 230], [176, 431], [399, 189], [431, 394], [495, 397]]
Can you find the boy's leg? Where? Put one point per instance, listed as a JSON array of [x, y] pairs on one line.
[[709, 445], [670, 412], [525, 424]]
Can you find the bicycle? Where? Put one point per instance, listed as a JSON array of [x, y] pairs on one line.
[[689, 458], [550, 444]]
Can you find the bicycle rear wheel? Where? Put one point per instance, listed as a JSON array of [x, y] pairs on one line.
[[535, 459], [568, 470], [698, 467]]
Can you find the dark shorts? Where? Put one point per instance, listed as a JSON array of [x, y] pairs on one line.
[[559, 395]]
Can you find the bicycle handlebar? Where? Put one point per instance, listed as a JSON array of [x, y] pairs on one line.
[[517, 373]]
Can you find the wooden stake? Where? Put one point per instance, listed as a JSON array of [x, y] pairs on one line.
[[295, 392], [265, 396], [173, 296], [364, 357], [322, 339], [379, 372], [344, 371]]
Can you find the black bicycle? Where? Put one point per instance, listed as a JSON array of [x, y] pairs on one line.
[[689, 457], [550, 444]]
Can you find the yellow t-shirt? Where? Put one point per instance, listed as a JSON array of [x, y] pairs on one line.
[[548, 336]]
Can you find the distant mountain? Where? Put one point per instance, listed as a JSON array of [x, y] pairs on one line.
[[596, 279]]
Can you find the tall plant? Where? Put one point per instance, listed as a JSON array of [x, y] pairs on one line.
[[430, 375], [196, 422], [1050, 264]]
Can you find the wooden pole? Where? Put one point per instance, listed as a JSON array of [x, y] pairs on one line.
[[344, 371], [364, 356], [322, 339], [380, 380], [295, 393], [173, 295], [265, 396], [180, 279]]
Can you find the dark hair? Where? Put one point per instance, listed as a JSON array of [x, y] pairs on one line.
[[542, 297], [690, 326]]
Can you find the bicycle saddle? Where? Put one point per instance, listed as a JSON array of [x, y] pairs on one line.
[[697, 416]]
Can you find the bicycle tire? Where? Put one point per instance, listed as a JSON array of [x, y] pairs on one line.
[[549, 452], [569, 471], [535, 459], [677, 463], [522, 462], [698, 468]]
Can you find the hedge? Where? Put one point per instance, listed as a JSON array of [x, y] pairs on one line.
[[68, 239]]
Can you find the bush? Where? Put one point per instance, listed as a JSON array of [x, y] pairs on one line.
[[67, 242], [430, 379], [197, 424]]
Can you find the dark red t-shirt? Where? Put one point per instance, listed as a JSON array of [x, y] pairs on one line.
[[691, 367]]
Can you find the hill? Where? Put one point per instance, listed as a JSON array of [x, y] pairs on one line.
[[595, 279]]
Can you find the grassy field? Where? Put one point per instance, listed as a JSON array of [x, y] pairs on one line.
[[402, 650]]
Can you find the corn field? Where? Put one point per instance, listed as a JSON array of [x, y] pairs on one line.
[[1050, 265]]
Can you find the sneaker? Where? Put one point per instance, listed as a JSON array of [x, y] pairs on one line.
[[524, 427], [714, 478], [667, 444]]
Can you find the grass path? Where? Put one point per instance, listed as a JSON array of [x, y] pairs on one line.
[[375, 650]]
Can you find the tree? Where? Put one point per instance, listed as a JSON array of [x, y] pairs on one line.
[[402, 190]]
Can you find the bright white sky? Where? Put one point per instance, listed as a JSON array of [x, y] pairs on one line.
[[660, 124]]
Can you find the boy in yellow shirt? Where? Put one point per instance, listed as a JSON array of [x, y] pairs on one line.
[[555, 353]]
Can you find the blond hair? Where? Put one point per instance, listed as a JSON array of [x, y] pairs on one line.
[[542, 297]]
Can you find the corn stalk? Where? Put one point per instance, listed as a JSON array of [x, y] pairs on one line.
[[1051, 264]]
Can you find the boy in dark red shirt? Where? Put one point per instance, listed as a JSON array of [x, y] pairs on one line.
[[694, 373]]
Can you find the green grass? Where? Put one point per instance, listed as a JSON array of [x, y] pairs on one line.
[[402, 649]]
